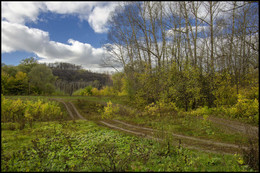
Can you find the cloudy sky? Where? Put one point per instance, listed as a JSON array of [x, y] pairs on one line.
[[72, 32]]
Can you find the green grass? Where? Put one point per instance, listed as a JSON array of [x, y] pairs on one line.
[[181, 123], [85, 146], [184, 124], [188, 125]]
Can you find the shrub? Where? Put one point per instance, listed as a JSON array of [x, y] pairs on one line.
[[29, 111], [87, 91], [244, 109], [202, 111], [95, 92], [160, 108], [107, 91], [110, 111]]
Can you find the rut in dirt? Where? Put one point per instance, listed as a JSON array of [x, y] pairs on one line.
[[149, 133]]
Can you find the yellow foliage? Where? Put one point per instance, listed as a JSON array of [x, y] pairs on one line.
[[21, 76], [202, 111], [17, 110], [95, 92], [160, 108], [110, 110], [107, 91]]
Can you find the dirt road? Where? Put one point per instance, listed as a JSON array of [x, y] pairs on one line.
[[176, 139]]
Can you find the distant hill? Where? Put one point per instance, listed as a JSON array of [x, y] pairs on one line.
[[72, 77]]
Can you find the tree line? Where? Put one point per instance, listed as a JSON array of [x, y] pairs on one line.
[[191, 53], [31, 77]]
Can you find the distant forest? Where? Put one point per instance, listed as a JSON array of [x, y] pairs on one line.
[[31, 77], [72, 77]]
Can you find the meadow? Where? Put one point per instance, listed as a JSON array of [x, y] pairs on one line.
[[63, 144]]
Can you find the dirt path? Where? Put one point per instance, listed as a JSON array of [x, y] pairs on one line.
[[236, 126], [67, 107], [186, 141]]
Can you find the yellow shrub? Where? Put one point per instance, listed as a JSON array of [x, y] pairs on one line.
[[160, 108], [106, 91], [95, 92], [202, 111], [110, 111]]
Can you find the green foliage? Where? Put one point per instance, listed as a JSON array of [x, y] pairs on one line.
[[78, 92], [42, 79], [58, 92], [202, 111], [10, 70], [95, 92], [17, 85], [4, 84], [27, 64], [117, 81], [124, 88], [224, 93], [246, 109], [84, 146], [86, 91]]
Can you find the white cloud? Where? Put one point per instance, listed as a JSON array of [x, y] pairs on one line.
[[16, 36], [21, 12], [96, 13], [70, 7], [99, 17], [19, 37]]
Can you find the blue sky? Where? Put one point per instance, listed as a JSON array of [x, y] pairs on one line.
[[53, 31]]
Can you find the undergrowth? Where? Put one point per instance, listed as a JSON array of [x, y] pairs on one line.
[[84, 146]]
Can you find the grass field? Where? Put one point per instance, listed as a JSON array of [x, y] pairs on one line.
[[79, 145]]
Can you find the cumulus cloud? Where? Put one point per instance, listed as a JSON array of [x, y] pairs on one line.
[[21, 12], [99, 17], [20, 37], [16, 36], [96, 13]]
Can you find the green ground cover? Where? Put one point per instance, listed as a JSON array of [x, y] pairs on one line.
[[84, 146], [179, 123]]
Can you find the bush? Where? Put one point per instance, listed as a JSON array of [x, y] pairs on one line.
[[87, 91], [160, 108], [29, 111], [107, 91], [201, 111], [110, 111], [245, 109], [95, 92]]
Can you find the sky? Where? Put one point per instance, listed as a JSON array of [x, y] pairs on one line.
[[50, 31], [55, 31]]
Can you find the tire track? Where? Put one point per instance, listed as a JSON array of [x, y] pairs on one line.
[[76, 111], [182, 136], [69, 111], [236, 126], [138, 130]]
